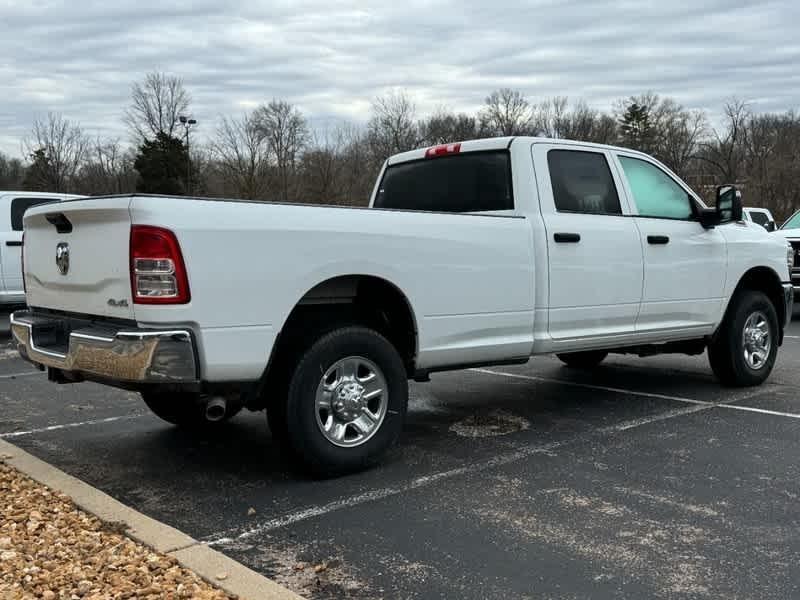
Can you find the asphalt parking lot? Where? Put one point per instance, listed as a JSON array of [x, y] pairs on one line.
[[642, 479]]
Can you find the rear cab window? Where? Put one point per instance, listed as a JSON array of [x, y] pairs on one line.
[[461, 183], [20, 205]]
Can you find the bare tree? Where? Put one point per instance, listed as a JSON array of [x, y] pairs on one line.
[[392, 128], [682, 132], [725, 151], [12, 172], [322, 168], [360, 165], [156, 103], [107, 169], [664, 128], [772, 162], [445, 127], [507, 112], [285, 129], [57, 148], [554, 118], [242, 155]]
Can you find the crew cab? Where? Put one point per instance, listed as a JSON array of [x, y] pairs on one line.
[[476, 253], [12, 207]]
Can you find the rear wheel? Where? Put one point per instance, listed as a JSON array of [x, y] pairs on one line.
[[744, 350], [583, 360], [346, 402], [188, 410]]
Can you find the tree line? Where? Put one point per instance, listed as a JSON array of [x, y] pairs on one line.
[[272, 152]]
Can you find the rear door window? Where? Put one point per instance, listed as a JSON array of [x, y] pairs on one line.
[[469, 182], [20, 205], [582, 182]]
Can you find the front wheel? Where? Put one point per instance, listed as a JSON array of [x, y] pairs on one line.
[[744, 350], [347, 401]]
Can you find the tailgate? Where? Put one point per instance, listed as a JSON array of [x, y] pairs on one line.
[[77, 257]]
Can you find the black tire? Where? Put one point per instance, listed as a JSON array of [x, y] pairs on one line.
[[185, 409], [583, 360], [726, 351], [313, 450], [276, 418]]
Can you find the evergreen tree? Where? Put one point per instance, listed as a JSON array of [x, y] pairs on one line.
[[36, 174], [161, 164], [636, 128]]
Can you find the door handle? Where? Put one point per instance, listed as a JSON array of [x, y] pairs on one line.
[[657, 239], [567, 238], [13, 243]]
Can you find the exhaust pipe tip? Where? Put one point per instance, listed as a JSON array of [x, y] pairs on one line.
[[216, 408]]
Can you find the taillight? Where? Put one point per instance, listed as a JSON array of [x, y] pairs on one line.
[[443, 150], [158, 273], [22, 263]]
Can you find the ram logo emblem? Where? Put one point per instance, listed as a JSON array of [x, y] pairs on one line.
[[62, 258]]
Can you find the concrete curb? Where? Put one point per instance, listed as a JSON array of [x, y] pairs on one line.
[[191, 554]]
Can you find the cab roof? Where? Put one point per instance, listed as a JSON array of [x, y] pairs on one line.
[[489, 144]]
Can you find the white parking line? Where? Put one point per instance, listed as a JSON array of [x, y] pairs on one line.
[[13, 434], [25, 374], [525, 451], [762, 411], [751, 394], [9, 353], [590, 386]]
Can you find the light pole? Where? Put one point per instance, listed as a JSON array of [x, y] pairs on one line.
[[187, 123]]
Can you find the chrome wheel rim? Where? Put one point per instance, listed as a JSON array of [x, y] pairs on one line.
[[351, 402], [756, 340]]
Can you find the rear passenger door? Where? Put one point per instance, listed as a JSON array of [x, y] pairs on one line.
[[594, 251], [684, 263]]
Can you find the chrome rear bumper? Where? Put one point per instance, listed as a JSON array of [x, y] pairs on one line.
[[88, 350]]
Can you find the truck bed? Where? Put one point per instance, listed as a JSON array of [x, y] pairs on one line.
[[467, 278]]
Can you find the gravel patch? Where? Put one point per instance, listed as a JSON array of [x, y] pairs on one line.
[[52, 550]]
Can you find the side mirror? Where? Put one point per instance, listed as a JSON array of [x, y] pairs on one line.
[[771, 226], [729, 204]]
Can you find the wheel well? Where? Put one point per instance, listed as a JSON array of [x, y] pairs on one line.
[[347, 300], [764, 279]]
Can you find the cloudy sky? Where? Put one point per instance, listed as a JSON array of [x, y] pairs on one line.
[[333, 57]]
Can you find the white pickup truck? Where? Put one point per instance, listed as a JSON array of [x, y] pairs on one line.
[[12, 207], [790, 231], [484, 252]]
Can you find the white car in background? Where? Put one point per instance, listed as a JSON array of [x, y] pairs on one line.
[[760, 216], [790, 231], [12, 208]]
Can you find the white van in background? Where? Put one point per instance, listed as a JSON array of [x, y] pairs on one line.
[[760, 216], [12, 206]]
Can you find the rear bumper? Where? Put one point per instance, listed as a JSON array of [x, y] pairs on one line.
[[79, 350]]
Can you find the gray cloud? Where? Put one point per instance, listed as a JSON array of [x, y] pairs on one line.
[[332, 58]]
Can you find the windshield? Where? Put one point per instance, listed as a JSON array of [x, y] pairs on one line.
[[793, 222]]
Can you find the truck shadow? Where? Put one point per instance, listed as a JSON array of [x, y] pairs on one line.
[[451, 417]]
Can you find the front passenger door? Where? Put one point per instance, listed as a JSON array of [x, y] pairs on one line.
[[684, 263]]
